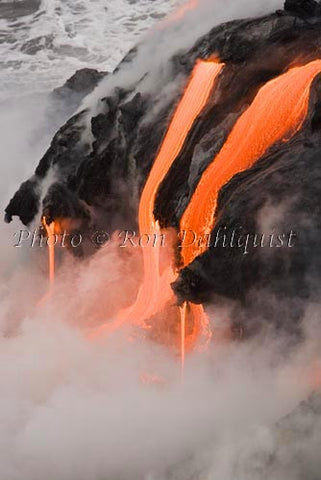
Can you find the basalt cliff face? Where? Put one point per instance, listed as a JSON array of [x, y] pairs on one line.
[[101, 158]]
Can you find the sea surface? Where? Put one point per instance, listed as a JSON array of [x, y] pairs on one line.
[[43, 42]]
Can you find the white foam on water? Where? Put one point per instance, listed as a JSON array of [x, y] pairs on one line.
[[41, 50]]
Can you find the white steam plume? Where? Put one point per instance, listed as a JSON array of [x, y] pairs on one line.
[[163, 42]]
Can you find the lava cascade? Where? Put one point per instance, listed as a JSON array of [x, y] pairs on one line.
[[155, 290], [276, 114], [50, 230]]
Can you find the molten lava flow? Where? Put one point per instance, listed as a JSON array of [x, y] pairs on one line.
[[277, 113], [50, 229], [191, 105], [155, 291], [183, 336]]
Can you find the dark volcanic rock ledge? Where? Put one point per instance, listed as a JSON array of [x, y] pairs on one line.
[[101, 159], [77, 87]]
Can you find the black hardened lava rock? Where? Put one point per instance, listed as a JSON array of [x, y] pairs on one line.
[[26, 202], [83, 81], [305, 8], [77, 87], [100, 159]]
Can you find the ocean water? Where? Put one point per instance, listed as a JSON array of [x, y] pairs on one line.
[[43, 42]]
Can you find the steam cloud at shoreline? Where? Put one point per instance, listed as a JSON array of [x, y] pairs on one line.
[[115, 408]]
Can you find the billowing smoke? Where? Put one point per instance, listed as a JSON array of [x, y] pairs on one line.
[[116, 407], [175, 35]]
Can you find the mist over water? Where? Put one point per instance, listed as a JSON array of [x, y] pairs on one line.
[[74, 409]]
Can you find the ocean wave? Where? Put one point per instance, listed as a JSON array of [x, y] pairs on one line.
[[42, 42]]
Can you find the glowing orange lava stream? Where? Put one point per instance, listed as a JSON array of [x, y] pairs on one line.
[[155, 290], [191, 105], [277, 113], [50, 229]]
